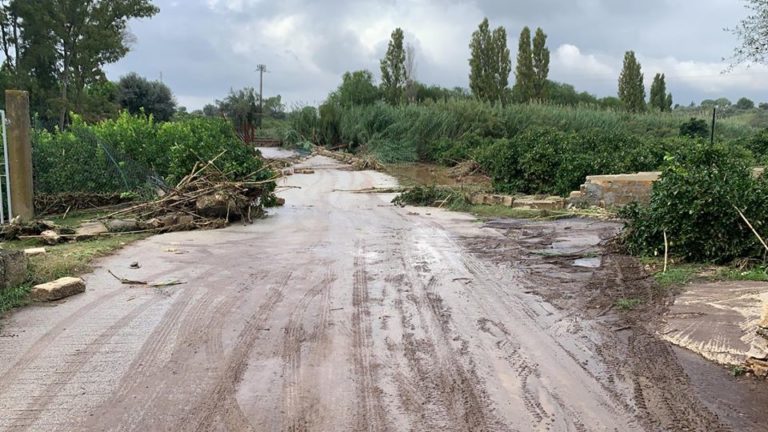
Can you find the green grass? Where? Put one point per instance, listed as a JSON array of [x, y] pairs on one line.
[[678, 274], [13, 298], [628, 304], [68, 259], [757, 274]]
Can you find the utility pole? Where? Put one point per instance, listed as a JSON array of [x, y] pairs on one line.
[[261, 69]]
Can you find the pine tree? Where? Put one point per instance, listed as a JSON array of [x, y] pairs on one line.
[[490, 63], [524, 72], [631, 87], [540, 65], [393, 73]]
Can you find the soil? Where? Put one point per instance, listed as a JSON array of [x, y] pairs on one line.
[[343, 312]]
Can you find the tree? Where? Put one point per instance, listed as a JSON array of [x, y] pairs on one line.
[[393, 77], [525, 74], [540, 65], [69, 41], [723, 102], [631, 87], [357, 88], [490, 63], [763, 106], [694, 128], [660, 99], [745, 104], [210, 110], [752, 33], [241, 107], [137, 94], [410, 72]]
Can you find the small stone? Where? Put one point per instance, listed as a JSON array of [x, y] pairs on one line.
[[91, 229], [58, 289], [135, 265], [50, 237], [35, 251]]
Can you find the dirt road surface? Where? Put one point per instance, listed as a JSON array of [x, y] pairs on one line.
[[341, 312]]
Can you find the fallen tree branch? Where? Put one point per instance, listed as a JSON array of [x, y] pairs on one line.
[[752, 228]]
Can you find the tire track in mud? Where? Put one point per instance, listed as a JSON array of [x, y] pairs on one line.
[[519, 362], [293, 411], [370, 415], [221, 402], [45, 341], [71, 368], [451, 389], [195, 321]]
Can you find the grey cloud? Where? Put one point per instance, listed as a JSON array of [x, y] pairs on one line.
[[203, 52]]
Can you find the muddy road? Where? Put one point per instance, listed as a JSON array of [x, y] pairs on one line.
[[341, 312]]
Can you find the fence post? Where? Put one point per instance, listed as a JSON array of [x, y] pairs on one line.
[[20, 153]]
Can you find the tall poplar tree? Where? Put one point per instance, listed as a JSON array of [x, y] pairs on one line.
[[540, 65], [490, 63], [393, 72], [659, 95], [631, 87], [525, 75]]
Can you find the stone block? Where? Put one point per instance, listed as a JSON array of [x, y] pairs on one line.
[[35, 251], [13, 268], [58, 289]]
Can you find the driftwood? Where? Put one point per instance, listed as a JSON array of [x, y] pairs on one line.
[[204, 199]]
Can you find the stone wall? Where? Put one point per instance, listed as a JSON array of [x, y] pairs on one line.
[[615, 190], [618, 190]]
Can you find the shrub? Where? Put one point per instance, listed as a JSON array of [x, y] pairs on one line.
[[693, 203], [126, 153], [202, 139], [694, 128]]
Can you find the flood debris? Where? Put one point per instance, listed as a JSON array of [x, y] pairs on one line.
[[158, 284], [204, 199], [363, 163]]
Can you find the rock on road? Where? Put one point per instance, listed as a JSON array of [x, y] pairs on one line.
[[340, 312]]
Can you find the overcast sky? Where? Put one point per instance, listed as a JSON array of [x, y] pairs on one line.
[[203, 48]]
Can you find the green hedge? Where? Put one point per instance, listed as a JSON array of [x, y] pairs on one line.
[[126, 153]]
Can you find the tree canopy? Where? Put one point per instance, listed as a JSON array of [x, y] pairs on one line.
[[660, 99], [752, 33], [393, 72], [137, 94], [490, 63], [631, 87], [56, 48]]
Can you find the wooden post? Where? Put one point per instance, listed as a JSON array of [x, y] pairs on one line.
[[20, 153]]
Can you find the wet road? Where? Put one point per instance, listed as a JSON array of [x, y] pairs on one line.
[[339, 312]]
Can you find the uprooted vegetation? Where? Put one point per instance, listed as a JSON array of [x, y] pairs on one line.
[[205, 198]]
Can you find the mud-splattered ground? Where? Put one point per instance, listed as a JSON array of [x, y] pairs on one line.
[[341, 312]]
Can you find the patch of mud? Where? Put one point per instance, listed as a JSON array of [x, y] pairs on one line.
[[569, 264], [718, 320]]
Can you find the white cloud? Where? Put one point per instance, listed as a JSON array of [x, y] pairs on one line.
[[569, 60]]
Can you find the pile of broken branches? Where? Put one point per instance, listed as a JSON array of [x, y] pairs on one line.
[[204, 199]]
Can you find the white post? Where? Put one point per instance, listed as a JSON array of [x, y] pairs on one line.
[[7, 174]]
